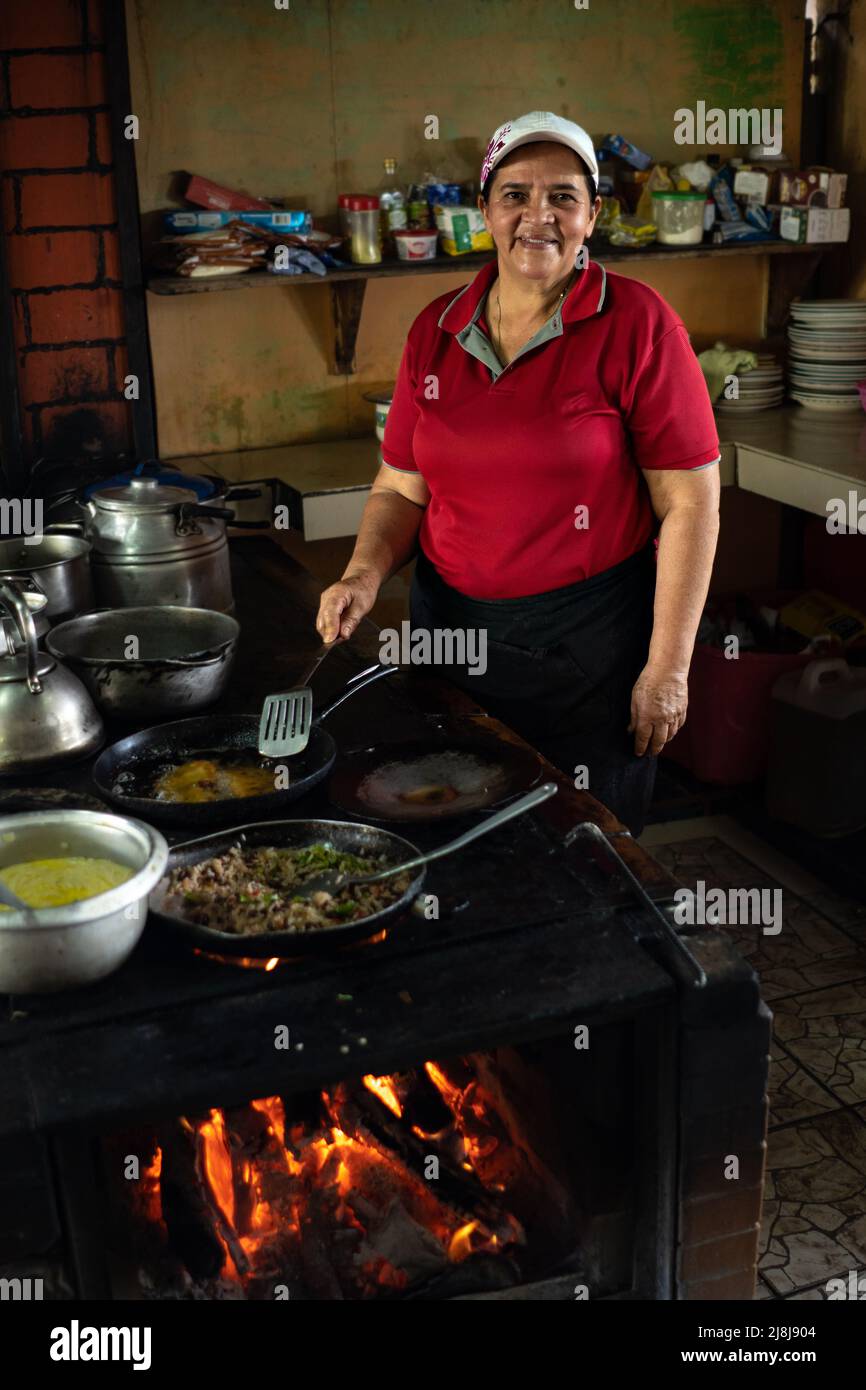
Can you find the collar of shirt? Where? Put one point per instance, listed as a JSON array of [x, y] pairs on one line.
[[584, 299], [461, 315]]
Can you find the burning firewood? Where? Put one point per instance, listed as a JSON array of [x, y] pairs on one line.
[[373, 1125], [185, 1210]]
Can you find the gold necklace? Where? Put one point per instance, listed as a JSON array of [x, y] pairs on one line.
[[498, 343]]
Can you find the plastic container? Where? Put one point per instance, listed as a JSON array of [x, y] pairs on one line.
[[415, 245], [382, 402], [726, 737], [679, 217], [362, 216], [817, 772]]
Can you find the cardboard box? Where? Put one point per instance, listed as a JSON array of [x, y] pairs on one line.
[[754, 183], [814, 224], [833, 185], [191, 221], [203, 193], [816, 186]]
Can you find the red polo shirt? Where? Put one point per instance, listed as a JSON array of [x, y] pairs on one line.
[[513, 460]]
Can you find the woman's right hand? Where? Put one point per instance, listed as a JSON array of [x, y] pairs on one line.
[[344, 604]]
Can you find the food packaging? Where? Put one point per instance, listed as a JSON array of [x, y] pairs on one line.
[[189, 221], [814, 224], [203, 193], [462, 229], [618, 145], [759, 217], [609, 211], [415, 244], [629, 230], [818, 186], [698, 172], [225, 251], [679, 217], [815, 613], [741, 230], [657, 180], [753, 182], [630, 184], [442, 194], [723, 197]]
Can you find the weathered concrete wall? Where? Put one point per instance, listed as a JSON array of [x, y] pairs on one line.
[[306, 103]]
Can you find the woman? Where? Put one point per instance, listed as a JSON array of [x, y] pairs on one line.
[[549, 421]]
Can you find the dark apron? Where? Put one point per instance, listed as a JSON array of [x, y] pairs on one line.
[[560, 670]]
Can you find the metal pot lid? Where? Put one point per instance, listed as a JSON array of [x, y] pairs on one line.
[[13, 667], [143, 495]]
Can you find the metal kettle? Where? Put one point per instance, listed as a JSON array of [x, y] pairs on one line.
[[46, 715], [154, 544]]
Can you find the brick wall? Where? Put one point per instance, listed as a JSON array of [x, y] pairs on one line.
[[60, 227]]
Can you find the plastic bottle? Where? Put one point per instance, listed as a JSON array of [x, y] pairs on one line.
[[392, 207]]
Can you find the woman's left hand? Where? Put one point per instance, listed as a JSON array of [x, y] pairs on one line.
[[658, 708]]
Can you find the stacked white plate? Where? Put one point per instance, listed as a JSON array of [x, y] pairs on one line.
[[759, 389], [827, 353]]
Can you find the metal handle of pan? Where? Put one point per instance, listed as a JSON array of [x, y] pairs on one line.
[[590, 831], [517, 808], [193, 510], [241, 494], [309, 671], [357, 683]]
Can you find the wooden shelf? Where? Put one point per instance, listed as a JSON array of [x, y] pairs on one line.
[[791, 268]]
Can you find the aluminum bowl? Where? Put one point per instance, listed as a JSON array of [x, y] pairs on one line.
[[184, 662], [54, 948]]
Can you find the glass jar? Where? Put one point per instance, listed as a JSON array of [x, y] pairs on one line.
[[362, 216]]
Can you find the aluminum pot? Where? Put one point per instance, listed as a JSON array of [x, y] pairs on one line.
[[59, 564], [154, 544], [183, 662], [54, 948]]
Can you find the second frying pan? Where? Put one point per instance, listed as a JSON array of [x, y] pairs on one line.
[[432, 779], [122, 773]]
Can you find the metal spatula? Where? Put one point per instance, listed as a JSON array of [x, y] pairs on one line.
[[287, 718]]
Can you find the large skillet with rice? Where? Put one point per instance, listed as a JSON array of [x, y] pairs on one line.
[[170, 906]]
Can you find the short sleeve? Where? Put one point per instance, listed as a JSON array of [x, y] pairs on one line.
[[670, 416], [397, 446]]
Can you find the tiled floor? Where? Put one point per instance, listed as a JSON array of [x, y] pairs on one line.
[[813, 977]]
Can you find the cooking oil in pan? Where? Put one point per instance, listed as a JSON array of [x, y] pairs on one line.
[[213, 775]]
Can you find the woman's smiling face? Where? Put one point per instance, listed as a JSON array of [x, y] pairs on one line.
[[539, 211]]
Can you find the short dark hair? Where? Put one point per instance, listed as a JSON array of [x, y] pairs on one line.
[[590, 182]]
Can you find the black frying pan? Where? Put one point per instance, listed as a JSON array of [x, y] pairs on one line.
[[344, 836], [285, 834], [189, 738], [431, 779]]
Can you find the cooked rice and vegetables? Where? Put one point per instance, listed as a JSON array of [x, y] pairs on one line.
[[249, 892]]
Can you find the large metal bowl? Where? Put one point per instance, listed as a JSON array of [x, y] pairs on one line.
[[54, 948], [182, 664]]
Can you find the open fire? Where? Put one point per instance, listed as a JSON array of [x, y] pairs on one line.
[[393, 1186]]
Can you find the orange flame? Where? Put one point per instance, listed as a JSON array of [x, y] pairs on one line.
[[381, 1086], [358, 1173], [461, 1245], [218, 1163]]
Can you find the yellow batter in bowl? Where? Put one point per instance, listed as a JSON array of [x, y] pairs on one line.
[[56, 882]]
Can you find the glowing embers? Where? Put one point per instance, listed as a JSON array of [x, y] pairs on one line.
[[369, 1190]]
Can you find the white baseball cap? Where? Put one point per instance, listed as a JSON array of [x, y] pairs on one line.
[[538, 125]]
